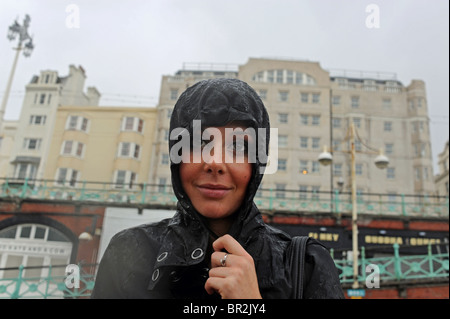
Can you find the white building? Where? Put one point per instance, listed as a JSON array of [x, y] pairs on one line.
[[313, 107], [43, 95]]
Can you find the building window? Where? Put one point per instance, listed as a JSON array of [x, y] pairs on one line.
[[390, 173], [337, 169], [42, 99], [336, 100], [127, 149], [282, 164], [132, 124], [79, 151], [357, 122], [283, 96], [315, 192], [290, 77], [388, 148], [279, 76], [304, 119], [165, 159], [263, 94], [303, 142], [124, 179], [67, 175], [166, 135], [32, 144], [77, 123], [358, 169], [282, 140], [387, 104], [418, 173], [282, 117], [388, 126], [336, 145], [38, 119], [425, 173], [280, 190], [316, 143], [304, 97], [270, 76], [358, 146], [355, 102], [67, 149], [303, 167], [162, 185], [173, 94], [72, 148], [315, 120], [302, 191], [315, 167], [336, 123], [283, 76], [25, 170], [316, 98], [41, 246]]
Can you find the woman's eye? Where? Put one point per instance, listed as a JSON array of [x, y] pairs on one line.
[[239, 146]]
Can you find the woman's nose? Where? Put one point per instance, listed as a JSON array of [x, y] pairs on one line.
[[213, 158]]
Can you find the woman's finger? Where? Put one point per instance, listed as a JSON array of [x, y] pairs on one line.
[[219, 256], [229, 244]]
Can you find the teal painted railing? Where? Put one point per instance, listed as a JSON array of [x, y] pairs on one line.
[[266, 199], [396, 267], [53, 285], [392, 269]]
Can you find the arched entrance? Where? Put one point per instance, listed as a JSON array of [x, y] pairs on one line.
[[42, 246]]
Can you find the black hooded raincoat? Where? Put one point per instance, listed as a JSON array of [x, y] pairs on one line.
[[169, 259]]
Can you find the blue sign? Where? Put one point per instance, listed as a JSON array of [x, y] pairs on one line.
[[356, 292]]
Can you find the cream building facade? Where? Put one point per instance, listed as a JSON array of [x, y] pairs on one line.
[[64, 136], [8, 131], [102, 146], [441, 179], [43, 95], [313, 108]]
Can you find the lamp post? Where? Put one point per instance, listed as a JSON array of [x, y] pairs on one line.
[[22, 32], [381, 161]]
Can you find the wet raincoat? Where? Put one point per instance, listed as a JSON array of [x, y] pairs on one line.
[[169, 259]]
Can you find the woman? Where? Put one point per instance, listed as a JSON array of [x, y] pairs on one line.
[[216, 245]]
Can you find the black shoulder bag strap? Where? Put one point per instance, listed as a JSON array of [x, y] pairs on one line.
[[297, 262]]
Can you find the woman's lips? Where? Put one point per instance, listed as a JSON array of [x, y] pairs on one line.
[[213, 190]]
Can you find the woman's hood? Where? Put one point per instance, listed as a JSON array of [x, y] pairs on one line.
[[218, 102]]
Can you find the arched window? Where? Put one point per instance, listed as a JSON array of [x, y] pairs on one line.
[[283, 77], [36, 246]]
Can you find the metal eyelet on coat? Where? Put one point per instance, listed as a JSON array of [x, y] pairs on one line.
[[155, 274], [197, 253], [162, 256]]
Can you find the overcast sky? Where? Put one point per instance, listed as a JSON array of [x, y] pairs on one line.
[[126, 46]]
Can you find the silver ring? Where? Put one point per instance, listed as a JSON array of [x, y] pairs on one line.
[[223, 260]]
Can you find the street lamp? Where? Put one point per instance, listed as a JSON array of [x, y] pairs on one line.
[[21, 31], [381, 161]]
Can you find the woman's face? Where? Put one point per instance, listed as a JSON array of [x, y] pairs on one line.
[[216, 186]]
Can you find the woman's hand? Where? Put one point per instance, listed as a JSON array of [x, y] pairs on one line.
[[236, 279]]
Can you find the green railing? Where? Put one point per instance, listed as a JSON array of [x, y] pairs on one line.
[[266, 199], [392, 270], [396, 267], [54, 285]]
